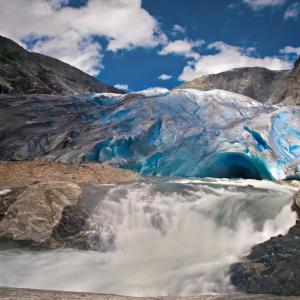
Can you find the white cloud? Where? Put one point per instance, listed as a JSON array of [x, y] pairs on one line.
[[178, 28], [260, 4], [182, 47], [67, 33], [122, 86], [229, 57], [290, 50], [293, 11], [81, 53], [164, 77]]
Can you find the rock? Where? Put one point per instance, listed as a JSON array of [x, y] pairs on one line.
[[24, 72], [24, 173], [47, 205], [261, 84], [288, 89], [257, 83], [272, 267], [296, 203]]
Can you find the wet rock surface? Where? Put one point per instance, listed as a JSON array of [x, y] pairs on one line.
[[272, 267], [46, 205]]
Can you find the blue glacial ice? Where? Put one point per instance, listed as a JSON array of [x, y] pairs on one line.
[[190, 133]]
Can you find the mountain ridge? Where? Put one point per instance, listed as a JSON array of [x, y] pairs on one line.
[[261, 84], [25, 72]]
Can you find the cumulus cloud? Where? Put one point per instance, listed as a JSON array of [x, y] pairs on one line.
[[178, 28], [165, 77], [260, 4], [290, 50], [67, 33], [182, 47], [229, 57], [293, 11], [122, 86]]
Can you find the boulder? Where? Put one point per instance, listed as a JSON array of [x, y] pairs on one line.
[[296, 203], [46, 205], [272, 267]]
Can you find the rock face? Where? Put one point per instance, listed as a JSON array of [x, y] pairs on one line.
[[258, 83], [166, 134], [288, 89], [272, 267], [46, 205], [24, 72]]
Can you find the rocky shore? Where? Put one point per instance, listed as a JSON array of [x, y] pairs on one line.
[[272, 267], [45, 205]]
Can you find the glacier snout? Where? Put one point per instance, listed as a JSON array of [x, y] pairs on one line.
[[192, 133]]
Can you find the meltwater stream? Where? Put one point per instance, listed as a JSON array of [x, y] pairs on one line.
[[161, 237]]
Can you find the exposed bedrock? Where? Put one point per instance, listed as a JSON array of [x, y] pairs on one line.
[[26, 72], [258, 83], [185, 133], [46, 205], [272, 267]]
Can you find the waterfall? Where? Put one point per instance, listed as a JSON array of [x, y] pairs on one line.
[[161, 237]]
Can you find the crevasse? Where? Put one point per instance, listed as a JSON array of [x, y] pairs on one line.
[[192, 133]]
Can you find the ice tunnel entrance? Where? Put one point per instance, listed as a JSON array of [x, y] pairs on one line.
[[236, 165]]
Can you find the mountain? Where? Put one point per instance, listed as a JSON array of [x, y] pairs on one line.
[[288, 89], [261, 84], [27, 72]]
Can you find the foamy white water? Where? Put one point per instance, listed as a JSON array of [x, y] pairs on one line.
[[161, 237]]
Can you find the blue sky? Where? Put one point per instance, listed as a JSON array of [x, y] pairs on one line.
[[148, 43]]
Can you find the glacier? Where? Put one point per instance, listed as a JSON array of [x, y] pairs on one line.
[[192, 133]]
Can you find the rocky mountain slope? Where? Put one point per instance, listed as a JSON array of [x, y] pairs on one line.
[[258, 83], [27, 72], [288, 89]]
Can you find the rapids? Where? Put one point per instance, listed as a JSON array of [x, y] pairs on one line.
[[160, 237]]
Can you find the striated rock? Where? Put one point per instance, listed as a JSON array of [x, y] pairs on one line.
[[46, 205], [272, 267], [56, 127], [24, 72], [27, 172], [261, 84]]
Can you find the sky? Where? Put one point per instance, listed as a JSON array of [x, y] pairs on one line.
[[138, 44]]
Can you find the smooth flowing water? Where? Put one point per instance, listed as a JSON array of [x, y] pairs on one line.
[[161, 237]]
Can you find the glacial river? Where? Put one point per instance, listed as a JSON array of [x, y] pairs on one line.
[[161, 237]]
